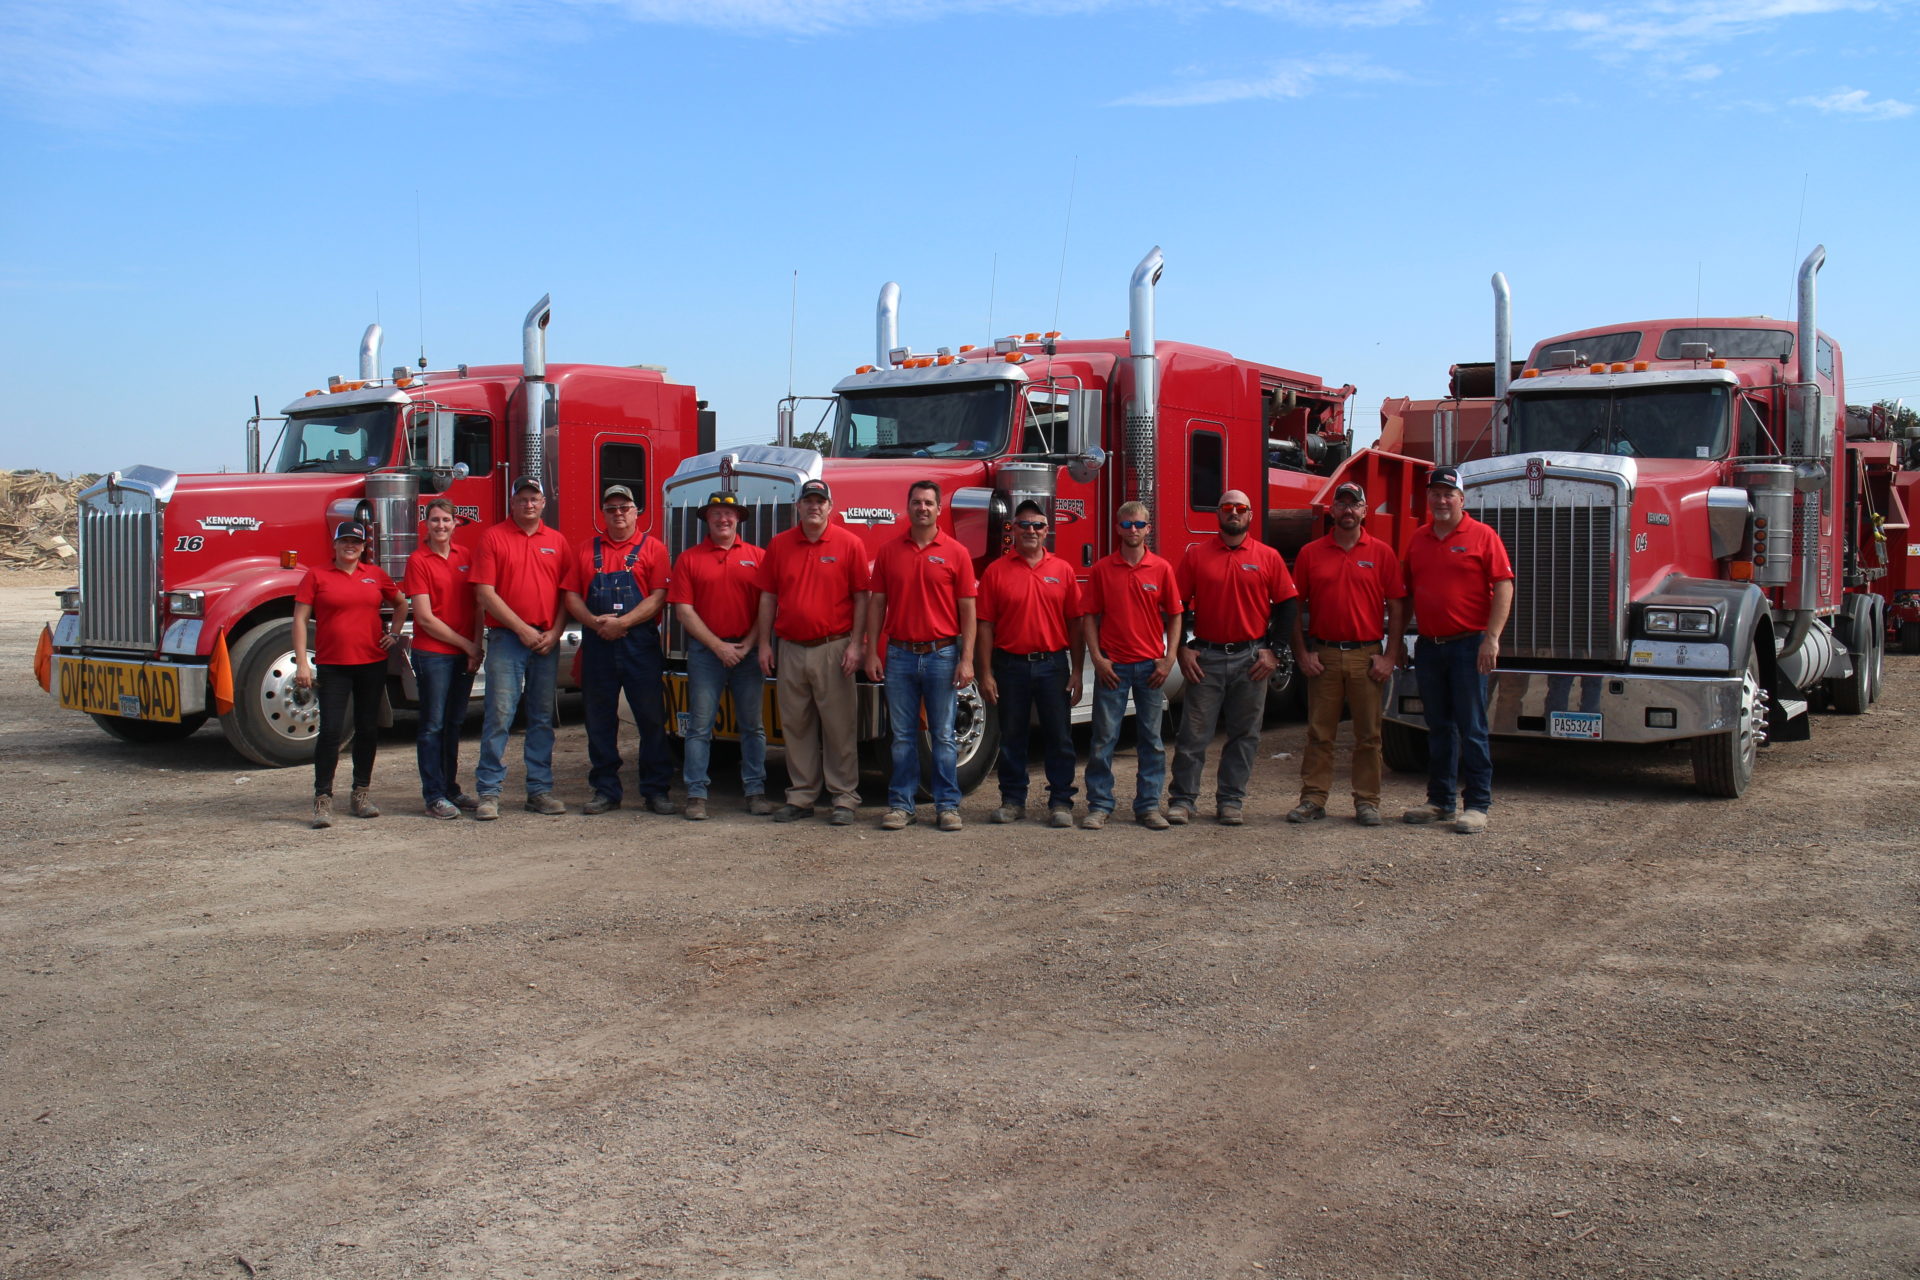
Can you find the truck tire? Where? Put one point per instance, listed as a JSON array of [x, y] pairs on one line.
[[1878, 650], [147, 732], [1723, 762], [1403, 747], [267, 725], [1852, 694], [1910, 637]]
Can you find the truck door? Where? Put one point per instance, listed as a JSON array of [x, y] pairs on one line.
[[475, 496], [1205, 471], [1079, 527]]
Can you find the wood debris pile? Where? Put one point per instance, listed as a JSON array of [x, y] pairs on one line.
[[38, 513]]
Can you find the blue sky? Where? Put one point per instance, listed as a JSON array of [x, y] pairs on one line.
[[208, 201]]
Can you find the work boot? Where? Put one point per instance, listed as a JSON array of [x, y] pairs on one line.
[[1427, 813], [322, 812], [1367, 815], [1229, 815], [1009, 813], [1472, 822], [1060, 815], [1153, 820], [1179, 813], [759, 806], [896, 820], [1094, 820], [662, 805], [1307, 811], [601, 803], [442, 809], [487, 810], [464, 801], [793, 812], [545, 802], [949, 820], [843, 816], [695, 809], [361, 805]]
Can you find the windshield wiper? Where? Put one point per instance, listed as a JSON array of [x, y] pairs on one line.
[[903, 450], [308, 464]]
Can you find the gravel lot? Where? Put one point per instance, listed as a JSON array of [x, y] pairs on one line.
[[1628, 1032]]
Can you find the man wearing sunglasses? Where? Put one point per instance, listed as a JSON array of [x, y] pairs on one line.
[[1350, 586], [1133, 629], [1031, 659], [1240, 608]]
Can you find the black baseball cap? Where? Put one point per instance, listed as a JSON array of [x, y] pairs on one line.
[[815, 489], [1350, 492], [528, 482], [351, 529], [1445, 478]]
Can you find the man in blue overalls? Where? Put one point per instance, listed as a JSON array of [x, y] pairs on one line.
[[618, 587]]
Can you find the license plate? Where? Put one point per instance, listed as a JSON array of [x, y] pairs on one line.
[[726, 725], [131, 690], [1574, 724]]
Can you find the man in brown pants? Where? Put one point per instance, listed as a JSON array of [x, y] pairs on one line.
[[813, 599]]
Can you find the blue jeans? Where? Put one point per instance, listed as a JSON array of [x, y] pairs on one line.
[[1026, 688], [445, 684], [631, 665], [1109, 707], [707, 677], [914, 680], [516, 673], [1454, 694]]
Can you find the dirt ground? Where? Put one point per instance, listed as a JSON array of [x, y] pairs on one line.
[[1628, 1032]]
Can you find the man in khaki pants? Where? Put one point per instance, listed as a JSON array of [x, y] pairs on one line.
[[813, 599], [1351, 588]]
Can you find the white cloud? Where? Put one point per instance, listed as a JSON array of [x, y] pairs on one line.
[[1336, 13], [1855, 102], [1668, 28], [1291, 79]]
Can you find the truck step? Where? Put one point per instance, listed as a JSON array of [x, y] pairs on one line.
[[1793, 708]]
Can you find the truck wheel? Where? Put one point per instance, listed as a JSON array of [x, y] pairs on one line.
[[150, 731], [1723, 762], [1403, 747], [976, 740], [1853, 694], [1878, 669], [267, 724], [1910, 637], [1287, 690]]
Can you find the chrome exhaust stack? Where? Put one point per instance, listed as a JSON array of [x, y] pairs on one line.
[[370, 354], [1142, 412], [533, 366], [886, 327], [1809, 340], [1502, 357]]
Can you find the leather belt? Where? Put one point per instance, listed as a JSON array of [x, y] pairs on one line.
[[815, 644], [729, 639], [924, 646], [1040, 655], [1464, 635], [1228, 646], [1346, 644]]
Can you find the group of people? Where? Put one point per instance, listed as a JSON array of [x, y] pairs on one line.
[[814, 608]]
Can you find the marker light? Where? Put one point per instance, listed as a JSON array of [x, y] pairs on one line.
[[944, 360], [1033, 337], [1529, 373], [1639, 366], [865, 368], [965, 347], [1619, 366], [1716, 364], [1014, 357], [1598, 368], [314, 392], [289, 559], [1053, 333]]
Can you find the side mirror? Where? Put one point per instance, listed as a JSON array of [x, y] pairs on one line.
[[1083, 435], [440, 439]]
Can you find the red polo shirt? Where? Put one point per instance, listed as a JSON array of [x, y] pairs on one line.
[[1134, 602], [526, 569], [1232, 590], [1346, 592], [447, 583], [1451, 579], [1029, 605], [650, 568], [924, 586], [721, 583], [346, 611], [814, 583]]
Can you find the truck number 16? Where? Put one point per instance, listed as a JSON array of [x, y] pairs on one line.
[[189, 542]]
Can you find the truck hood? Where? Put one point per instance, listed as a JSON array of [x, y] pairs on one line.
[[215, 522]]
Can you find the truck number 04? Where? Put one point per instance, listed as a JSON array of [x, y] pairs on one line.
[[189, 542]]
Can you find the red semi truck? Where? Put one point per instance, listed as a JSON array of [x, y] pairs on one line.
[[1082, 425], [184, 605], [1693, 535]]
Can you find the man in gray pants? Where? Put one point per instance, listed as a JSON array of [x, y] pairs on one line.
[[1240, 607]]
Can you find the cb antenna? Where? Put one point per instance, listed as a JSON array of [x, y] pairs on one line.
[[993, 286], [1066, 230], [420, 276], [793, 327]]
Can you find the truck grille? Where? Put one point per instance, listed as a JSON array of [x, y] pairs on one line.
[[1567, 566], [761, 520], [119, 570]]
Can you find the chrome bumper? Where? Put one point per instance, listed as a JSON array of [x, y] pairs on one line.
[[1630, 706]]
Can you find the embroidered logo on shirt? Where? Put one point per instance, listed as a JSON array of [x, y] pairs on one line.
[[547, 551], [829, 560], [936, 559], [1459, 551], [1365, 564], [1149, 586], [1050, 580], [746, 564], [1251, 568]]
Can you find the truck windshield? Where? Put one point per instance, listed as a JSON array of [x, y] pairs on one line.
[[923, 422], [343, 440], [1653, 423]]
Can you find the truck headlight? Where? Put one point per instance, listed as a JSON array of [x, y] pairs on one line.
[[1678, 622], [187, 604], [69, 598]]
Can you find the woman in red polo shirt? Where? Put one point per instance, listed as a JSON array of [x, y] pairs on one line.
[[351, 643]]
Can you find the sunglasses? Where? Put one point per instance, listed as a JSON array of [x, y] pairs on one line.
[[1234, 508], [1030, 525], [1133, 524]]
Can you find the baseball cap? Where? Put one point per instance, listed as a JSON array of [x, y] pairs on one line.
[[350, 529], [528, 482], [616, 491], [1445, 478], [722, 498], [815, 489], [1350, 492]]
